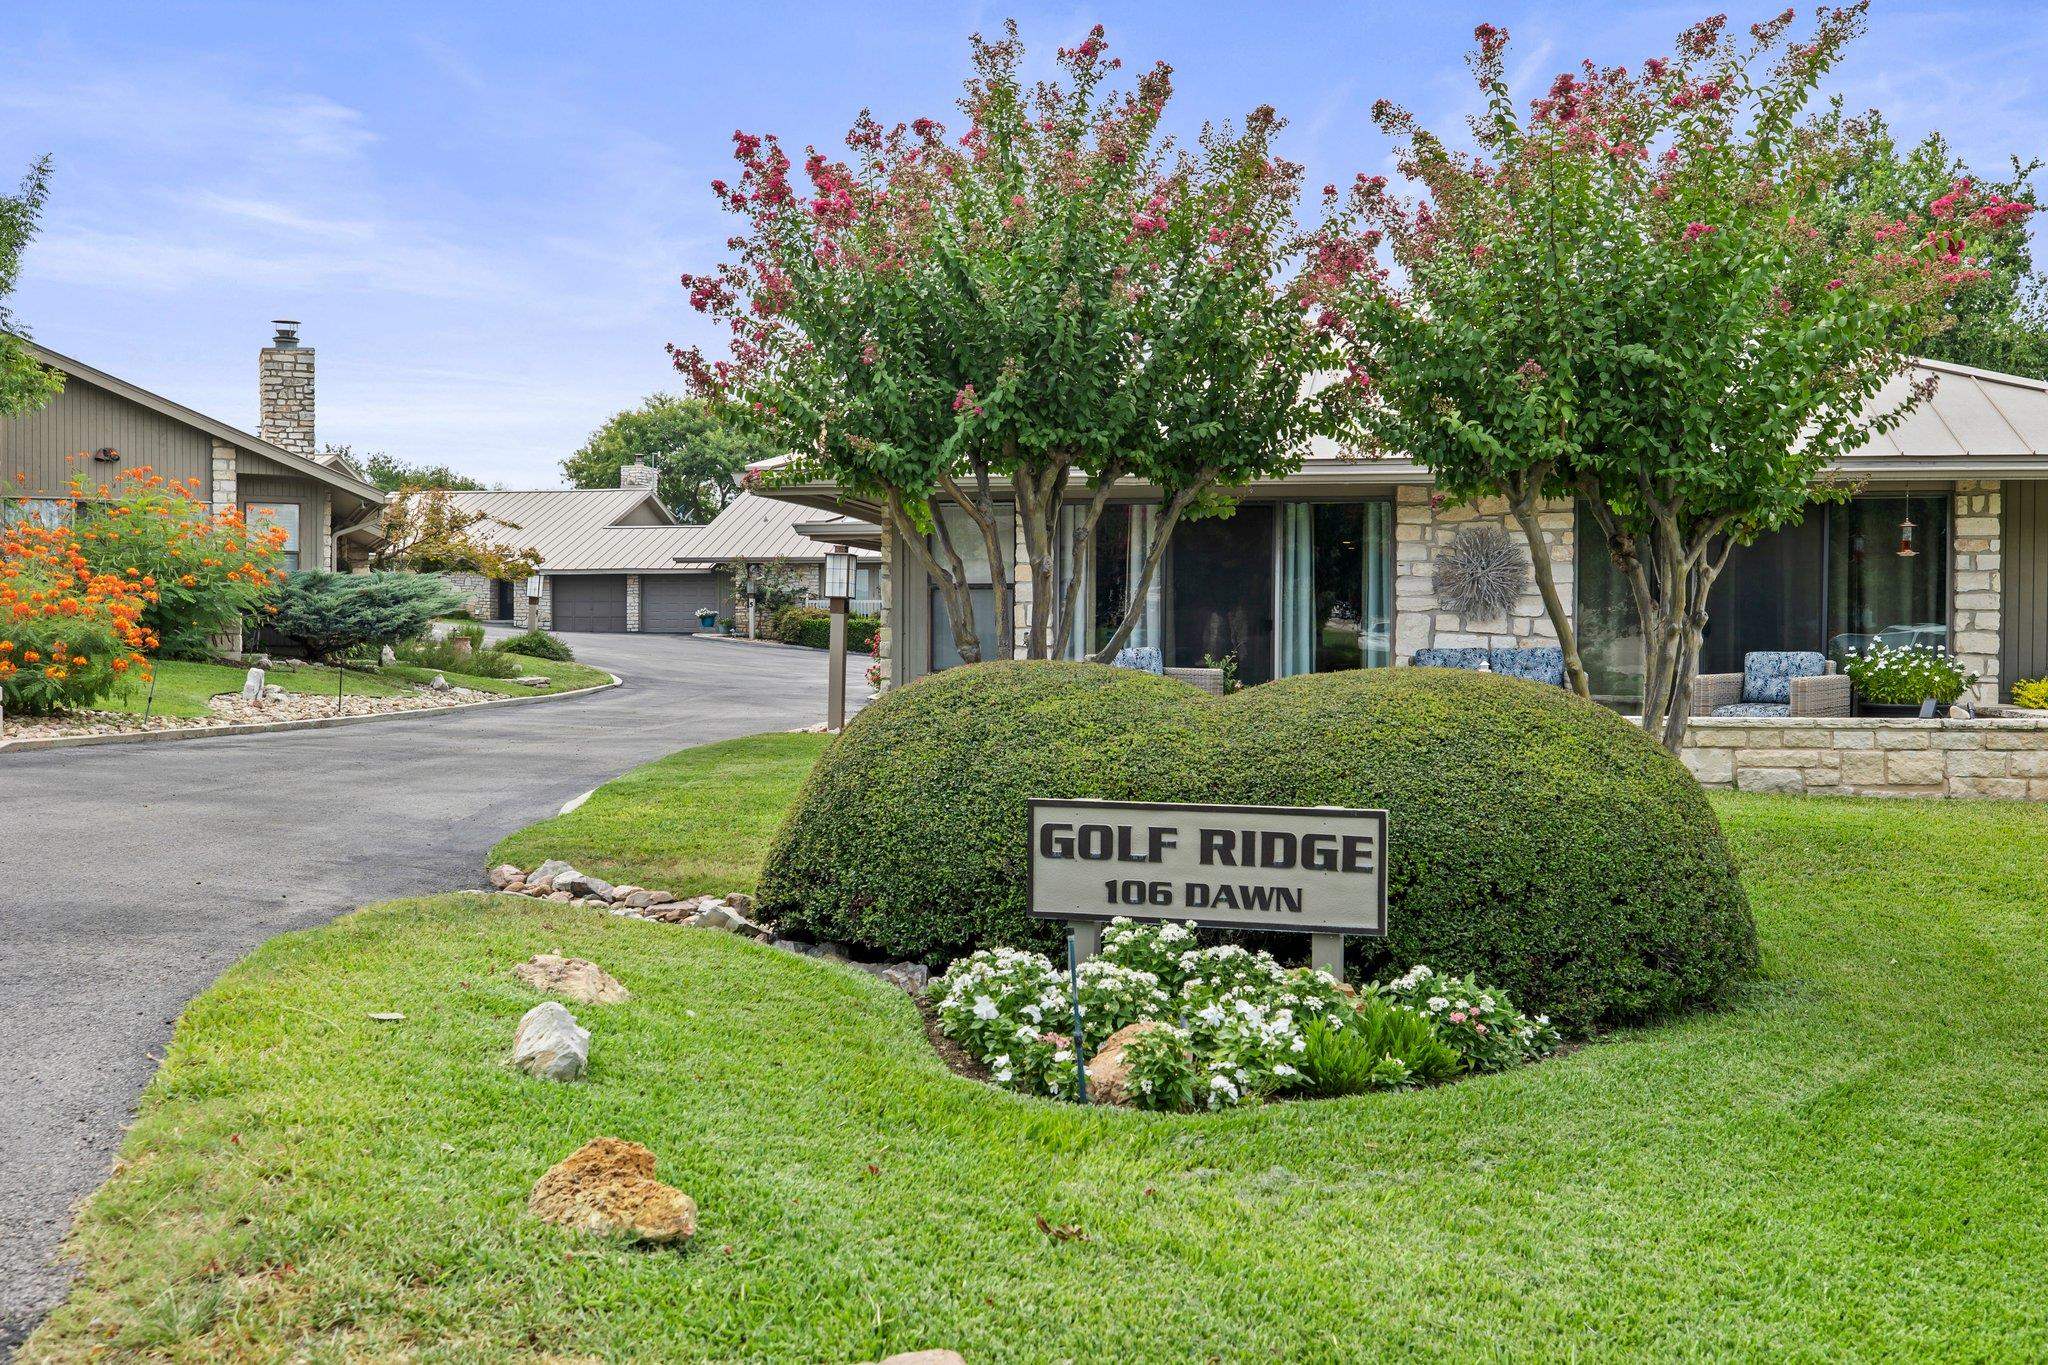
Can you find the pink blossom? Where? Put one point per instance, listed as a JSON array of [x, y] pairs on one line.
[[966, 399], [1456, 1016], [1696, 230], [1837, 282]]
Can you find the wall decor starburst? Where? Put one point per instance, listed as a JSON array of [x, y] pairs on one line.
[[1481, 573]]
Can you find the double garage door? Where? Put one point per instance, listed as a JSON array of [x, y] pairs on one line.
[[597, 602]]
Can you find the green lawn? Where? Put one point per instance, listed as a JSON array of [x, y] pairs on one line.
[[694, 822], [1851, 1163], [182, 689]]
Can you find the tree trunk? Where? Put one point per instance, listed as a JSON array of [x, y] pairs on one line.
[[981, 510], [1524, 507], [1161, 534], [951, 577], [1084, 562]]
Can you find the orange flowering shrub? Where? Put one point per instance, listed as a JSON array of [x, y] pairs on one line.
[[198, 572], [68, 634]]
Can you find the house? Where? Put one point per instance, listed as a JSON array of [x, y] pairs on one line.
[[100, 425], [1945, 542], [616, 559]]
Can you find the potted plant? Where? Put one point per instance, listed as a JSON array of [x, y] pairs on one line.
[[1900, 682]]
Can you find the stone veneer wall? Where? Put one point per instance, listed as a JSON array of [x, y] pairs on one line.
[[632, 602], [285, 390], [1979, 551], [885, 586], [475, 590], [1863, 757], [1422, 528]]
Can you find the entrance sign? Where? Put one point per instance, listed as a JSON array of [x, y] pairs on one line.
[[1307, 870]]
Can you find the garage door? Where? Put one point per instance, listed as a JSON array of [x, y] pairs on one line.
[[670, 601], [590, 602]]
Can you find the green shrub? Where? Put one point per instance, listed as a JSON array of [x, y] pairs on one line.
[[1535, 839], [812, 628], [2031, 693], [1384, 1046], [471, 656], [329, 614], [789, 623], [538, 644]]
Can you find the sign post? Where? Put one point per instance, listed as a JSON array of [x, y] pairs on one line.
[[1319, 871], [838, 588]]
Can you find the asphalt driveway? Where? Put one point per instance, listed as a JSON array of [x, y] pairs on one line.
[[132, 875]]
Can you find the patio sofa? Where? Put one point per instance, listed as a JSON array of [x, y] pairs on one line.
[[1147, 659], [1538, 663], [1774, 682]]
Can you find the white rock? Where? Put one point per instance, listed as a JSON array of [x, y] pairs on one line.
[[551, 869], [387, 656], [572, 978], [583, 884], [439, 684], [550, 1044], [252, 685]]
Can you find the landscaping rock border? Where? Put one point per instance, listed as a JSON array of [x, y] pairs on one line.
[[207, 727], [561, 883]]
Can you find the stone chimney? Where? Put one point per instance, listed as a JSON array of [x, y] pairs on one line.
[[634, 475], [285, 383]]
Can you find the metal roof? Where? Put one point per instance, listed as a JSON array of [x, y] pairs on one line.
[[576, 530], [754, 527], [1979, 424]]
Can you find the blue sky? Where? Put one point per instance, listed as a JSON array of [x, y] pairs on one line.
[[479, 211]]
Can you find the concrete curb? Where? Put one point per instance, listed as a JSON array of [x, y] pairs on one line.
[[277, 726]]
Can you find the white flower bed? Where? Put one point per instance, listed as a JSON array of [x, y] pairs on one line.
[[1234, 1023]]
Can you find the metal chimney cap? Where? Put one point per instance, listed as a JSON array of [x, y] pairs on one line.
[[287, 332]]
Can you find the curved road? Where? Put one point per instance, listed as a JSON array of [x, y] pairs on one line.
[[132, 875]]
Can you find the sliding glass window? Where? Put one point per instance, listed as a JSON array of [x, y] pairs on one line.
[[972, 547], [1336, 571]]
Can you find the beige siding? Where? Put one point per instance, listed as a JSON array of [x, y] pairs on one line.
[[2025, 572], [85, 418]]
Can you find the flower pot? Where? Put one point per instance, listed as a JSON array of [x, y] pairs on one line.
[[1891, 710]]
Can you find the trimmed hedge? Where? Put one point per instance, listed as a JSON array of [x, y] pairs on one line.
[[812, 628], [1537, 840]]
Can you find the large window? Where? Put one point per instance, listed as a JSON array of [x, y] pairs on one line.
[[1336, 575], [972, 547], [1850, 575], [263, 515], [50, 512]]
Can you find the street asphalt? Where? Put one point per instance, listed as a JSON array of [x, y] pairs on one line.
[[132, 875]]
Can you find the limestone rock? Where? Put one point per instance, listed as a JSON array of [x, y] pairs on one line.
[[252, 685], [549, 870], [387, 657], [720, 917], [550, 1044], [504, 874], [740, 901], [926, 1357], [1109, 1074], [583, 884], [640, 900], [572, 978], [607, 1186], [531, 680]]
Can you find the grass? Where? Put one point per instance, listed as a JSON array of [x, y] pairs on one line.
[[695, 822], [1849, 1163], [182, 689]]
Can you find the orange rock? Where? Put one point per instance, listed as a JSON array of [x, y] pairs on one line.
[[1109, 1074], [607, 1186]]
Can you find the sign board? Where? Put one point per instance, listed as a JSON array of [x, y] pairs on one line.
[[1307, 870]]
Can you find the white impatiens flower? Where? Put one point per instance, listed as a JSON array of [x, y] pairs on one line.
[[1027, 1034], [1223, 1085], [1438, 1004], [984, 1008], [1282, 1069], [1033, 1013], [1211, 1014], [1000, 1068]]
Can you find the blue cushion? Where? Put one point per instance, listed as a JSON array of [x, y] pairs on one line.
[[1144, 658], [1755, 708], [1540, 663], [1450, 658], [1767, 674]]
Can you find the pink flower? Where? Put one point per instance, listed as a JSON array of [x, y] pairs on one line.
[[1696, 230], [1479, 1028], [966, 399], [1837, 282], [1458, 1017]]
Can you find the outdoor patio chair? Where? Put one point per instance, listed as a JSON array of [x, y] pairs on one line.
[[1144, 658], [1774, 682], [1208, 679]]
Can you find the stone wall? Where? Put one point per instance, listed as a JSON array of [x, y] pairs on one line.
[[1978, 623], [475, 590], [886, 586], [1860, 757], [633, 600], [1422, 528]]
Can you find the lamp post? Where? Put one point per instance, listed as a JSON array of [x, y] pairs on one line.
[[838, 587]]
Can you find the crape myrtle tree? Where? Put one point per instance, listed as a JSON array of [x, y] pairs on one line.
[[1623, 294], [1055, 299], [427, 531]]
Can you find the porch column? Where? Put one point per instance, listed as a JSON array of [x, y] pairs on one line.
[[1976, 597]]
